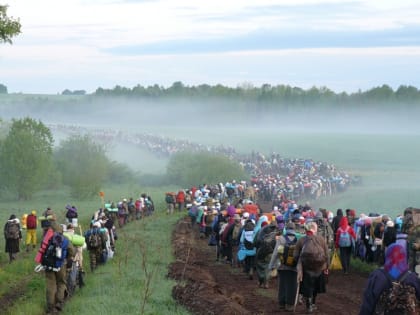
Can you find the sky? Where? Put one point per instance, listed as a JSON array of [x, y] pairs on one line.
[[86, 44]]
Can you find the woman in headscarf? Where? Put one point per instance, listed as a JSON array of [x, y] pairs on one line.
[[12, 235], [395, 268]]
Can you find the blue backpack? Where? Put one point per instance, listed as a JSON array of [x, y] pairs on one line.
[[345, 238]]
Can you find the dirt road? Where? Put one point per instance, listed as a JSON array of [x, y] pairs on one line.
[[206, 286]]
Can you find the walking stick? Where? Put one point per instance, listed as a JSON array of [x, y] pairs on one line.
[[296, 298], [299, 275]]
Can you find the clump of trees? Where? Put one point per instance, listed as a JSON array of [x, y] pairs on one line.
[[3, 89], [187, 169], [83, 165], [75, 92], [29, 164], [26, 157]]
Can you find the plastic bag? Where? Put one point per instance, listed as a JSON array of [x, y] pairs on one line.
[[335, 262]]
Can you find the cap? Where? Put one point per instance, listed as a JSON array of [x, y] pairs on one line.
[[97, 224], [33, 212], [236, 217], [245, 215]]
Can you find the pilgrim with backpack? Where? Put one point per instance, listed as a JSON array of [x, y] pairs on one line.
[[12, 235]]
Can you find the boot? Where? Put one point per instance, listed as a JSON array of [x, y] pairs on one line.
[[309, 306]]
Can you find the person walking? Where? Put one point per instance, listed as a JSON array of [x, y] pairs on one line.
[[180, 200], [31, 225], [344, 240], [55, 255], [12, 235], [376, 296], [311, 253], [96, 244], [286, 268]]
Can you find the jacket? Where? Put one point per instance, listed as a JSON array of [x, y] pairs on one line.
[[378, 283], [343, 227]]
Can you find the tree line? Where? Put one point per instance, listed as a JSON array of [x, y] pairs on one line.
[[269, 94]]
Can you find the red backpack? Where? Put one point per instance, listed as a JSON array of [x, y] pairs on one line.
[[31, 222]]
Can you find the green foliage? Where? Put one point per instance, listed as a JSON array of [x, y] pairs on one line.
[[186, 169], [75, 92], [279, 96], [361, 266], [3, 89], [119, 173], [83, 165], [25, 157], [9, 27]]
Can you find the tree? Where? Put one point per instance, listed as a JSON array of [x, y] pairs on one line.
[[9, 27], [83, 165], [187, 169], [3, 89], [25, 157]]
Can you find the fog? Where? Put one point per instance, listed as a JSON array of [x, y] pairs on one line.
[[143, 115], [381, 145]]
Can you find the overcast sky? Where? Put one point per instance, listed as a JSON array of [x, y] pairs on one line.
[[86, 44]]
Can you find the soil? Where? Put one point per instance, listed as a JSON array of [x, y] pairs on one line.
[[206, 286]]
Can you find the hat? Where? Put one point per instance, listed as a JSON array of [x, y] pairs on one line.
[[390, 224], [236, 217], [245, 215], [33, 212], [97, 224]]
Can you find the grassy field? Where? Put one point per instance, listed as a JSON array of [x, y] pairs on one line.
[[133, 282]]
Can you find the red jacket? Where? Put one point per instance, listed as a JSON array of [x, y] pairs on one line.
[[344, 225], [180, 197]]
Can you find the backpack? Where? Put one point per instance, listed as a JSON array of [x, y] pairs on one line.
[[287, 257], [267, 241], [249, 235], [121, 211], [12, 230], [345, 238], [235, 232], [31, 222], [71, 214], [55, 252], [94, 239], [399, 299], [169, 198], [313, 254]]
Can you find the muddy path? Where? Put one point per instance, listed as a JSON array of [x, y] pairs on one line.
[[206, 286]]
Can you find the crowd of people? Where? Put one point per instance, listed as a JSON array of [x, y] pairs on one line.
[[273, 175], [298, 241], [60, 251]]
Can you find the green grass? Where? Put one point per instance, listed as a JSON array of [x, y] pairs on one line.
[[359, 266], [117, 287]]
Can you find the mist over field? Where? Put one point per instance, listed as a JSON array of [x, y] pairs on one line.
[[380, 144]]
